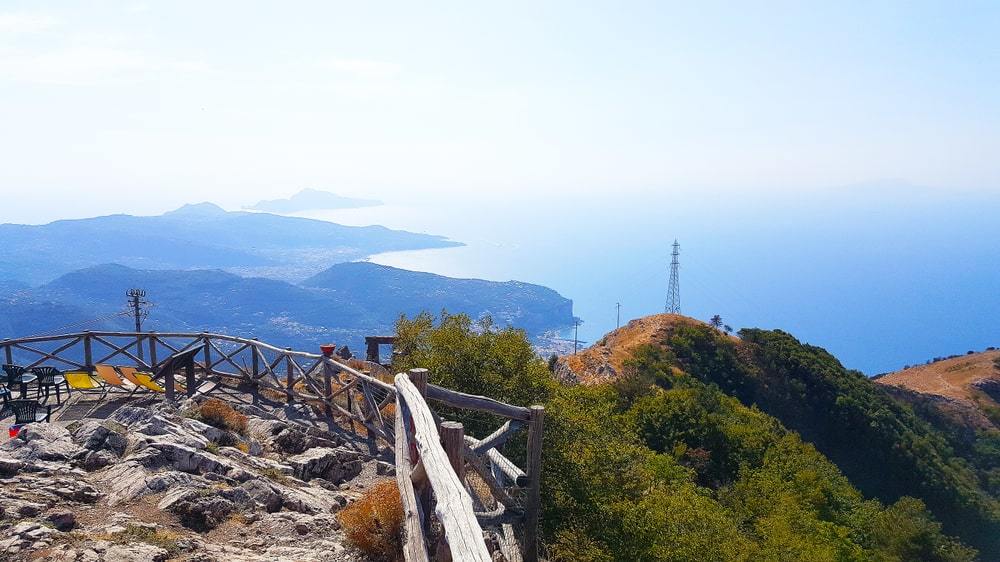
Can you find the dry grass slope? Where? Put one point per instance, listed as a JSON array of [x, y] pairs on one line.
[[605, 360], [968, 385], [952, 378]]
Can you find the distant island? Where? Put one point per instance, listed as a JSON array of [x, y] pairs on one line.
[[312, 199]]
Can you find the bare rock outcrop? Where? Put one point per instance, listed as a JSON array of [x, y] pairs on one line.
[[150, 484]]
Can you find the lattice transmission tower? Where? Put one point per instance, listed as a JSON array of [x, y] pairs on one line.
[[674, 288]]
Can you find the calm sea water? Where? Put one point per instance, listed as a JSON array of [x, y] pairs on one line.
[[878, 283]]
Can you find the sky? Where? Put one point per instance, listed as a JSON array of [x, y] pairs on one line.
[[140, 107]]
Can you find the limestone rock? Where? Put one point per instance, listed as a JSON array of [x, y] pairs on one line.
[[63, 519], [42, 441], [335, 465]]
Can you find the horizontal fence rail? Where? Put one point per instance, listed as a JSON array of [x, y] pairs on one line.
[[421, 440], [332, 387], [436, 463]]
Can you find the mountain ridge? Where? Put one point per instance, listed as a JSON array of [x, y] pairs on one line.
[[355, 301], [198, 236], [889, 446]]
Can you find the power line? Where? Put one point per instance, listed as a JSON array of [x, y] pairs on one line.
[[83, 323]]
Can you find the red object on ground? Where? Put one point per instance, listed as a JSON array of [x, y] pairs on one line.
[[327, 349], [13, 431]]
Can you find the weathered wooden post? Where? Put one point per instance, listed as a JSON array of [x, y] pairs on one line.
[[208, 355], [254, 360], [88, 355], [327, 350], [138, 348], [419, 377], [289, 378], [189, 372], [168, 381], [7, 353], [453, 441], [371, 351], [152, 352], [533, 500]]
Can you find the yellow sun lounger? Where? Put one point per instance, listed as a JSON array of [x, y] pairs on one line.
[[83, 381], [140, 379]]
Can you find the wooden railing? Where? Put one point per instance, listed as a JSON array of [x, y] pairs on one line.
[[436, 463], [323, 382], [432, 457]]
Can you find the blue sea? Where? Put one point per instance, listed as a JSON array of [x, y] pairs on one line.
[[881, 277]]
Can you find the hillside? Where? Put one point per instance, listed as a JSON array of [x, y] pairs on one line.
[[888, 447], [343, 304], [968, 384], [534, 308], [670, 460], [605, 360], [201, 236]]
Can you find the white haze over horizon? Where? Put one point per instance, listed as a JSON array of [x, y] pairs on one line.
[[141, 107]]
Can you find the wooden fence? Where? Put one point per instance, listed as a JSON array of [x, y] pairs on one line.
[[436, 463]]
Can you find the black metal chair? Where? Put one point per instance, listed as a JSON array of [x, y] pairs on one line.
[[49, 378], [15, 374], [27, 411], [5, 396]]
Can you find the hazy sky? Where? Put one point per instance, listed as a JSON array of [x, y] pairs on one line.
[[141, 106]]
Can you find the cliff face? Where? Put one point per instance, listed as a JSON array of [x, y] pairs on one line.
[[150, 484]]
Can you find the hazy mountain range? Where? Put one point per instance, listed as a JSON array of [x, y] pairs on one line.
[[282, 279]]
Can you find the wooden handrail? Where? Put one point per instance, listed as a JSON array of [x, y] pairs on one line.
[[454, 505], [474, 402], [360, 398]]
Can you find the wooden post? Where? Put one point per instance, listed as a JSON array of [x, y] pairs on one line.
[[419, 377], [152, 352], [88, 355], [255, 360], [168, 381], [189, 371], [328, 384], [289, 378], [533, 500], [8, 354], [138, 347], [371, 353], [208, 356], [453, 441]]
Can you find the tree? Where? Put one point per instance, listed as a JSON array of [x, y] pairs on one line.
[[728, 329], [716, 322]]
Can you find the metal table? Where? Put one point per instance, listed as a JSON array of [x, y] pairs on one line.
[[26, 378]]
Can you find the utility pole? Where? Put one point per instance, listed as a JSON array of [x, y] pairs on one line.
[[618, 322], [136, 302], [674, 288], [576, 334]]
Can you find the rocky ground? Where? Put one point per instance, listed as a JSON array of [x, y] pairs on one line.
[[153, 484]]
